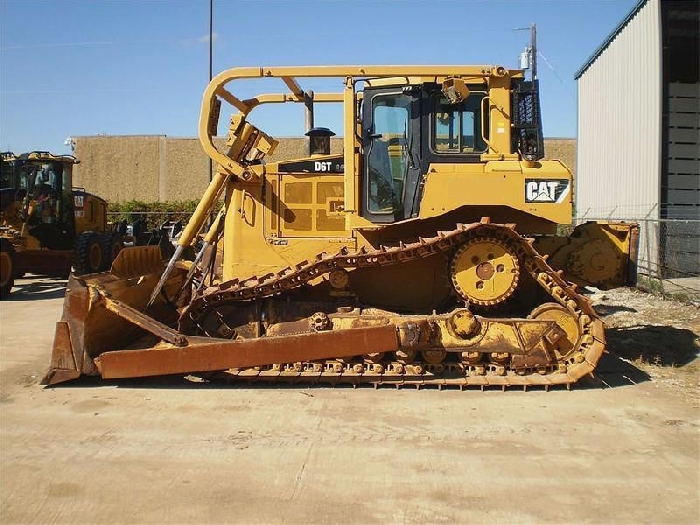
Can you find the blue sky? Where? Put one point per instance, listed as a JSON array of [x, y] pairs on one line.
[[131, 67]]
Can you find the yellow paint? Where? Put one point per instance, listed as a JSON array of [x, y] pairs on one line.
[[276, 219]]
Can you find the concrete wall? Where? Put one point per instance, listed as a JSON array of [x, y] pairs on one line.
[[161, 168], [156, 167], [119, 168], [563, 150]]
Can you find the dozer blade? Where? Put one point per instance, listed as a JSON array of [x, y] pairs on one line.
[[103, 327], [88, 327]]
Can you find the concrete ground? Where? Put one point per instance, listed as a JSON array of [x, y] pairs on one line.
[[688, 287], [623, 448]]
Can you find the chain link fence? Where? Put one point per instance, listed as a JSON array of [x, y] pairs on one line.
[[150, 219], [147, 227]]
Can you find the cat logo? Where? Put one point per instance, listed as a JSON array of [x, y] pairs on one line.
[[546, 190]]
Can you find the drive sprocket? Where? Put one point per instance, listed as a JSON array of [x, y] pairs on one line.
[[485, 271]]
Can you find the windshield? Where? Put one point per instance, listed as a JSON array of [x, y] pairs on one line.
[[35, 175], [6, 175]]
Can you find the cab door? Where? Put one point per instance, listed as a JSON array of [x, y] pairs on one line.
[[391, 153]]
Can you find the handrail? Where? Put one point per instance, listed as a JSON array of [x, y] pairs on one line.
[[483, 123], [216, 90]]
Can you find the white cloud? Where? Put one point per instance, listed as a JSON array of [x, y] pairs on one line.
[[205, 39]]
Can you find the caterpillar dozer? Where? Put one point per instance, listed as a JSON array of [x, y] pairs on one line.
[[46, 225], [426, 253]]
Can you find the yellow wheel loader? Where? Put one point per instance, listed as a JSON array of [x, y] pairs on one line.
[[425, 254], [46, 225]]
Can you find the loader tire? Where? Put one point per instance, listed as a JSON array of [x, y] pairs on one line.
[[7, 268], [112, 244], [89, 253]]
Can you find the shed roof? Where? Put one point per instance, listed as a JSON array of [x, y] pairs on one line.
[[609, 39]]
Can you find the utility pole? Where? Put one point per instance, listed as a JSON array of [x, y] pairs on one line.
[[531, 51]]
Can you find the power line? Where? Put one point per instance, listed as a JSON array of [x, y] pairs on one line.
[[557, 75]]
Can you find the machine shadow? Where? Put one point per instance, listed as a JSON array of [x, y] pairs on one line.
[[604, 310], [663, 346], [613, 372], [656, 345], [41, 288], [181, 382]]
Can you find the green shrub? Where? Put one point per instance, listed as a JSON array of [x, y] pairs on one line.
[[154, 213]]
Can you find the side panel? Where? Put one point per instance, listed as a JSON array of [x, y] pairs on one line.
[[619, 125], [542, 192], [306, 206], [290, 218], [90, 213]]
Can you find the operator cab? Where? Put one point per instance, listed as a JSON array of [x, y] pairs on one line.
[[36, 189], [407, 128]]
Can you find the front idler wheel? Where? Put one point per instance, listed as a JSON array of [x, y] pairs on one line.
[[564, 346]]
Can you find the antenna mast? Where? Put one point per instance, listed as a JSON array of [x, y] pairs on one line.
[[533, 50]]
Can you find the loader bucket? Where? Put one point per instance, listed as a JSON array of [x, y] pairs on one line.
[[89, 325]]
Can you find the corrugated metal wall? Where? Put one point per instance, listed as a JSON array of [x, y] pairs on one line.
[[619, 129]]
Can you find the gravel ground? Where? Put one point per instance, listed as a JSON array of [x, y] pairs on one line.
[[659, 337], [621, 448]]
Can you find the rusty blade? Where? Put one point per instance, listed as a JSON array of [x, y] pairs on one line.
[[142, 320], [63, 366], [204, 354], [67, 356]]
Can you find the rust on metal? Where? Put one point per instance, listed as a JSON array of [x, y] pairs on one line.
[[143, 321], [68, 353], [204, 354], [135, 261], [63, 366]]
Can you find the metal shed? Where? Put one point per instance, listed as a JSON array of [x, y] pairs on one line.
[[638, 133]]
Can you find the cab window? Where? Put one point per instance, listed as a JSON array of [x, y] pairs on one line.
[[67, 178], [456, 128]]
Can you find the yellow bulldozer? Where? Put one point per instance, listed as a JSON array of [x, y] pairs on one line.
[[47, 225], [426, 253]]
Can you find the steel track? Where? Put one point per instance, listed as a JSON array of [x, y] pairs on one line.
[[580, 361]]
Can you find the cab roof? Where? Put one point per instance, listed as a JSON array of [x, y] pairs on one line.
[[47, 156]]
